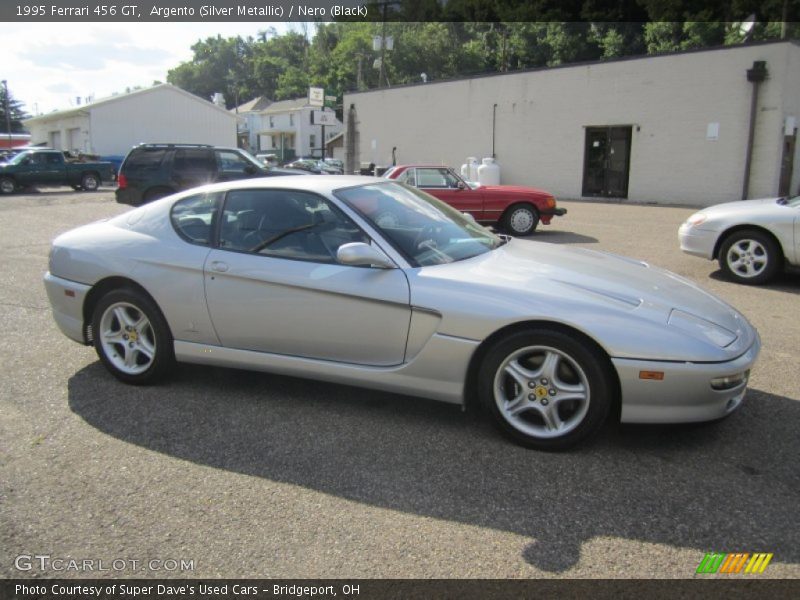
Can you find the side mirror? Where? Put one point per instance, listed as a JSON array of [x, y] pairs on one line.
[[250, 170], [359, 254], [462, 185]]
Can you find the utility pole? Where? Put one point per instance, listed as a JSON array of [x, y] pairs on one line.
[[8, 112]]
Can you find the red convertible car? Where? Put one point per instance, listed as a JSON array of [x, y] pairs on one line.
[[516, 209]]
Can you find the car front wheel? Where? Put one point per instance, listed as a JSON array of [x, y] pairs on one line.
[[520, 220], [750, 257], [131, 337], [546, 389]]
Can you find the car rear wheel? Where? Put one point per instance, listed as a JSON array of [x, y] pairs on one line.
[[90, 182], [546, 389], [7, 185], [750, 257], [131, 337], [520, 220]]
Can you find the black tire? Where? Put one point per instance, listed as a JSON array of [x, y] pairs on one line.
[[560, 392], [140, 355], [90, 182], [750, 256], [7, 185], [156, 193], [520, 220]]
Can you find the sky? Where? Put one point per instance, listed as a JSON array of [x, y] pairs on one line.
[[48, 65]]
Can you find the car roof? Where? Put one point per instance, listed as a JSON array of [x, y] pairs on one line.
[[321, 184]]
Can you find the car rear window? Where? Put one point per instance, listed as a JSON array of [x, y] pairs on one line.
[[146, 160]]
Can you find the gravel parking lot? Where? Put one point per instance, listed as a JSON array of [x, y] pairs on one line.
[[254, 475]]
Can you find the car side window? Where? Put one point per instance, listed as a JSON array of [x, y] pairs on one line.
[[193, 162], [147, 160], [54, 159], [285, 224], [432, 178], [193, 217], [232, 163]]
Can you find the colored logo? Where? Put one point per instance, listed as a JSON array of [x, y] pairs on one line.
[[738, 562]]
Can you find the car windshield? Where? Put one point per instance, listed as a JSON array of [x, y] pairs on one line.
[[793, 201], [19, 158], [425, 230], [256, 163]]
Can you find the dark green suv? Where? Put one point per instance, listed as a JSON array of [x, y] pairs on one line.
[[152, 171]]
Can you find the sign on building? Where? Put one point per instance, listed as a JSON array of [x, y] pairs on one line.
[[319, 117]]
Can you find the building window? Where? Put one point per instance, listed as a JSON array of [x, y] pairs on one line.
[[312, 142], [271, 122], [291, 119]]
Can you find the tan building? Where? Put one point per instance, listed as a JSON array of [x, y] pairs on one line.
[[671, 128]]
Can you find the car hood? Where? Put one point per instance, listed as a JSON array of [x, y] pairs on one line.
[[513, 189], [634, 309], [744, 208]]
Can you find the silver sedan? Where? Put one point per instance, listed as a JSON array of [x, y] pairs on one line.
[[306, 276], [751, 239]]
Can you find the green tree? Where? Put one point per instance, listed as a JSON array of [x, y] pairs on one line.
[[15, 113]]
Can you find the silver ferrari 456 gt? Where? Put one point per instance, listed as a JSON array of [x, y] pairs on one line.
[[369, 282]]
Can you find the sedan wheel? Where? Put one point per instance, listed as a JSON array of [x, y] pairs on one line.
[[131, 337], [520, 220], [546, 389], [749, 257]]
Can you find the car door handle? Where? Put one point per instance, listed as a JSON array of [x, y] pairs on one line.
[[219, 266]]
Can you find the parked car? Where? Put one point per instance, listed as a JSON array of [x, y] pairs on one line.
[[751, 239], [49, 168], [517, 210], [313, 165], [152, 171], [293, 275], [268, 158], [335, 164]]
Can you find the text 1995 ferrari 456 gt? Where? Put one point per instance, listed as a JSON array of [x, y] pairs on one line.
[[295, 275]]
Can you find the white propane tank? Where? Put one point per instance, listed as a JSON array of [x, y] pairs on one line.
[[474, 165], [489, 172], [465, 170]]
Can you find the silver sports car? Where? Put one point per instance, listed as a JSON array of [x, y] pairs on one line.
[[308, 277]]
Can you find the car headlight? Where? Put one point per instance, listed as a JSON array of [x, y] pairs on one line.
[[696, 219], [701, 328], [730, 382]]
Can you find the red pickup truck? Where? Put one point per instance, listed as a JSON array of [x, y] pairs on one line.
[[516, 209]]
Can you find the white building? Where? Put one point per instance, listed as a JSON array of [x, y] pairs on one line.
[[111, 126], [287, 128], [671, 128]]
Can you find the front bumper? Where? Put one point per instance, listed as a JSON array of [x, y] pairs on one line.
[[555, 212], [684, 395], [66, 299], [697, 242]]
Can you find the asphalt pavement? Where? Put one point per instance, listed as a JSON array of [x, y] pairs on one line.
[[240, 474]]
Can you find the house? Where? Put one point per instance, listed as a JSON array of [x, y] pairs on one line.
[[287, 128], [111, 126], [692, 128]]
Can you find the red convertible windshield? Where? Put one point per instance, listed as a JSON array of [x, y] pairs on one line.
[[425, 230]]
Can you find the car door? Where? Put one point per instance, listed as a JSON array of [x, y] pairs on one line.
[[36, 170], [192, 167], [273, 284], [443, 184]]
